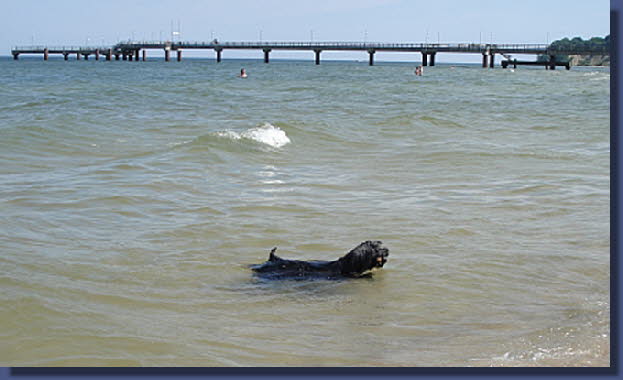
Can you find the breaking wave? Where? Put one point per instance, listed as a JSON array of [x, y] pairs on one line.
[[266, 134]]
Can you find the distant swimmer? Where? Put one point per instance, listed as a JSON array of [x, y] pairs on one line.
[[419, 71], [243, 74]]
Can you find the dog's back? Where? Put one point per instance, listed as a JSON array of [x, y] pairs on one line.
[[276, 267]]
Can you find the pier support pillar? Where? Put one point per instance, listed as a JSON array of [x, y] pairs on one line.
[[424, 59], [97, 54], [86, 57], [109, 55], [77, 56], [317, 56], [124, 57], [552, 62], [116, 57], [16, 56], [218, 55], [45, 54], [167, 55], [371, 53], [130, 57], [144, 55], [66, 56], [432, 59], [266, 53], [136, 54], [179, 55], [492, 60], [484, 60]]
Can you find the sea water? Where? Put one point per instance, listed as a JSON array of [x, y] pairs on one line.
[[134, 195]]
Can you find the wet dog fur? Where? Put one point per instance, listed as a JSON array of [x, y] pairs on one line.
[[360, 261]]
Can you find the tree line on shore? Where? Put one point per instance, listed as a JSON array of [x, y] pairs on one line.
[[577, 43]]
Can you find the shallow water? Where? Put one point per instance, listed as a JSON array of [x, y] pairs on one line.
[[135, 195]]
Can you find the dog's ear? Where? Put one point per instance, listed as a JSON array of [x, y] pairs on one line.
[[272, 256]]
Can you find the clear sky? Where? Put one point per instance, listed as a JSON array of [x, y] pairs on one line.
[[92, 22]]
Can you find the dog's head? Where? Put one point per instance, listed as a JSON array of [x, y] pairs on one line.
[[366, 256]]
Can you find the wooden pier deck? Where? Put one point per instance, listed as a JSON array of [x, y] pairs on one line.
[[547, 64], [131, 50]]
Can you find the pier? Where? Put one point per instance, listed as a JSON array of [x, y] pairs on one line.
[[131, 50], [550, 65]]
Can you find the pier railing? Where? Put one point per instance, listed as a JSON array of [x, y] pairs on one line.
[[338, 45], [68, 48]]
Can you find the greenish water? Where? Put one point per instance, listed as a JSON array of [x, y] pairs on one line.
[[134, 195]]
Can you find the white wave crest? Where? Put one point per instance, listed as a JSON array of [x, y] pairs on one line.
[[266, 134]]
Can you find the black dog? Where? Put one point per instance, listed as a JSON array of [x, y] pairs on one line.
[[356, 263]]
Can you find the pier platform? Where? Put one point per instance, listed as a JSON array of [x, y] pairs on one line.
[[547, 64]]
